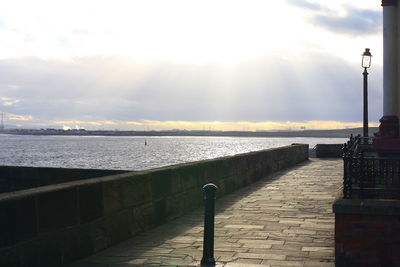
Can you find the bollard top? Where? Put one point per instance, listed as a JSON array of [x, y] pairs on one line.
[[210, 187]]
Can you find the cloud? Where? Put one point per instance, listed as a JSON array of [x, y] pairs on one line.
[[103, 91], [305, 4], [354, 22], [16, 117], [214, 125], [253, 126], [91, 123], [79, 31], [7, 101], [349, 20]]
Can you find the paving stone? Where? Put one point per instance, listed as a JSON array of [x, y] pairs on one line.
[[318, 264], [244, 226], [137, 261], [251, 247], [323, 255], [314, 249], [236, 264], [264, 256], [291, 222], [275, 263], [298, 231]]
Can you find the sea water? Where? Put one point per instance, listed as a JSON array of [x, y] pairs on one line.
[[132, 152]]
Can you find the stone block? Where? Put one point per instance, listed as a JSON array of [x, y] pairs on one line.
[[112, 197], [174, 206], [231, 185], [9, 257], [275, 165], [224, 168], [240, 164], [51, 250], [30, 254], [221, 188], [90, 202], [19, 220], [135, 190], [84, 235], [204, 175], [192, 199], [266, 170], [160, 211], [209, 169], [57, 209], [329, 150], [118, 227], [142, 218], [98, 235], [177, 183], [77, 243], [189, 176], [135, 227], [161, 183]]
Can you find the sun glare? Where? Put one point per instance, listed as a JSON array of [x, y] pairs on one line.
[[223, 31], [198, 31]]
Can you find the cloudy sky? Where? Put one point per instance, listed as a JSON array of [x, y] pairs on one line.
[[188, 64]]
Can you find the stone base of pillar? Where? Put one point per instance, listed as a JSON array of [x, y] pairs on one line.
[[387, 139], [389, 127], [383, 145]]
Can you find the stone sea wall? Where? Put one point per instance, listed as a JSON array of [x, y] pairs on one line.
[[56, 224]]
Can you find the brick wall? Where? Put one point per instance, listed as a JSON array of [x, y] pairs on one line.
[[367, 232], [57, 224]]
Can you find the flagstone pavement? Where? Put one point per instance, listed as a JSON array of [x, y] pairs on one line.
[[285, 219]]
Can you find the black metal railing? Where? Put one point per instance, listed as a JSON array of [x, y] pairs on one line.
[[368, 174]]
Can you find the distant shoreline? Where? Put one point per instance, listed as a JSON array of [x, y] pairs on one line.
[[343, 133]]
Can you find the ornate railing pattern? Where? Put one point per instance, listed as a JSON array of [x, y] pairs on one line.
[[368, 174]]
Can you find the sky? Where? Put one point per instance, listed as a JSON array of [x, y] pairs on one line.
[[188, 64]]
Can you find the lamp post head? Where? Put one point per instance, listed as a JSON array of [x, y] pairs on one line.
[[366, 59]]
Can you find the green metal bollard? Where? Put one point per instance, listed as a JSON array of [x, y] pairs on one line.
[[209, 212]]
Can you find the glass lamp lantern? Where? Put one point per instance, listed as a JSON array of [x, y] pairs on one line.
[[366, 59]]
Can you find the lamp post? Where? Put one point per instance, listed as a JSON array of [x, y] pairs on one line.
[[366, 63]]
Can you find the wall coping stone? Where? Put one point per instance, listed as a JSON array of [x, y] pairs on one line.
[[385, 207]]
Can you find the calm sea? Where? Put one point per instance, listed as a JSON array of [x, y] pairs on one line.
[[131, 153]]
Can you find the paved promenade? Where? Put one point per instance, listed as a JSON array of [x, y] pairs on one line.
[[284, 219]]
